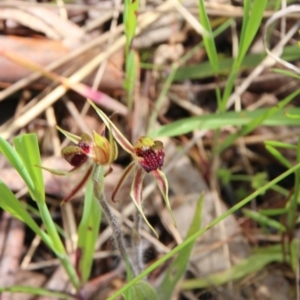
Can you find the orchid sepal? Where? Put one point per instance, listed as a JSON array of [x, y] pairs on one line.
[[136, 194], [56, 172], [78, 186], [163, 186], [121, 139], [122, 179], [72, 137]]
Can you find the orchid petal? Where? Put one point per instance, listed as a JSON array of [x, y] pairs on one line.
[[136, 194], [72, 137], [55, 172], [78, 186], [124, 143], [162, 183], [122, 179]]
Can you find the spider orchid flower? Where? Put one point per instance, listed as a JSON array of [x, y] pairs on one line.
[[148, 157], [87, 152]]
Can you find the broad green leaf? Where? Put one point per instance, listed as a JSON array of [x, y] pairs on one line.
[[15, 160], [179, 266], [27, 147], [88, 232], [12, 205]]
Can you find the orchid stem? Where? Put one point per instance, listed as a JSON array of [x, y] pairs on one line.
[[136, 241], [98, 177]]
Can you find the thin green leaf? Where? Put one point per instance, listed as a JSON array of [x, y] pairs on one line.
[[278, 156], [27, 147], [279, 144], [88, 231], [35, 291], [273, 211], [179, 266], [293, 202], [254, 263], [204, 70], [286, 72], [264, 220], [12, 205], [252, 25], [214, 121], [15, 160], [257, 121], [209, 41]]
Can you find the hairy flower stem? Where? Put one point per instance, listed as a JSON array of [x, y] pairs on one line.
[[98, 177], [136, 241]]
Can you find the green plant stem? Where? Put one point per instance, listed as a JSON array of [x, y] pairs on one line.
[[203, 230], [136, 241], [117, 233], [58, 246]]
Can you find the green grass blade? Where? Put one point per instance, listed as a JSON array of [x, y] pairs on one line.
[[257, 121], [14, 159], [209, 41], [35, 291], [251, 23], [172, 75], [254, 263], [178, 267], [264, 220], [293, 203], [130, 21], [279, 144], [26, 146], [88, 231], [12, 205], [214, 121], [204, 70], [278, 156]]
